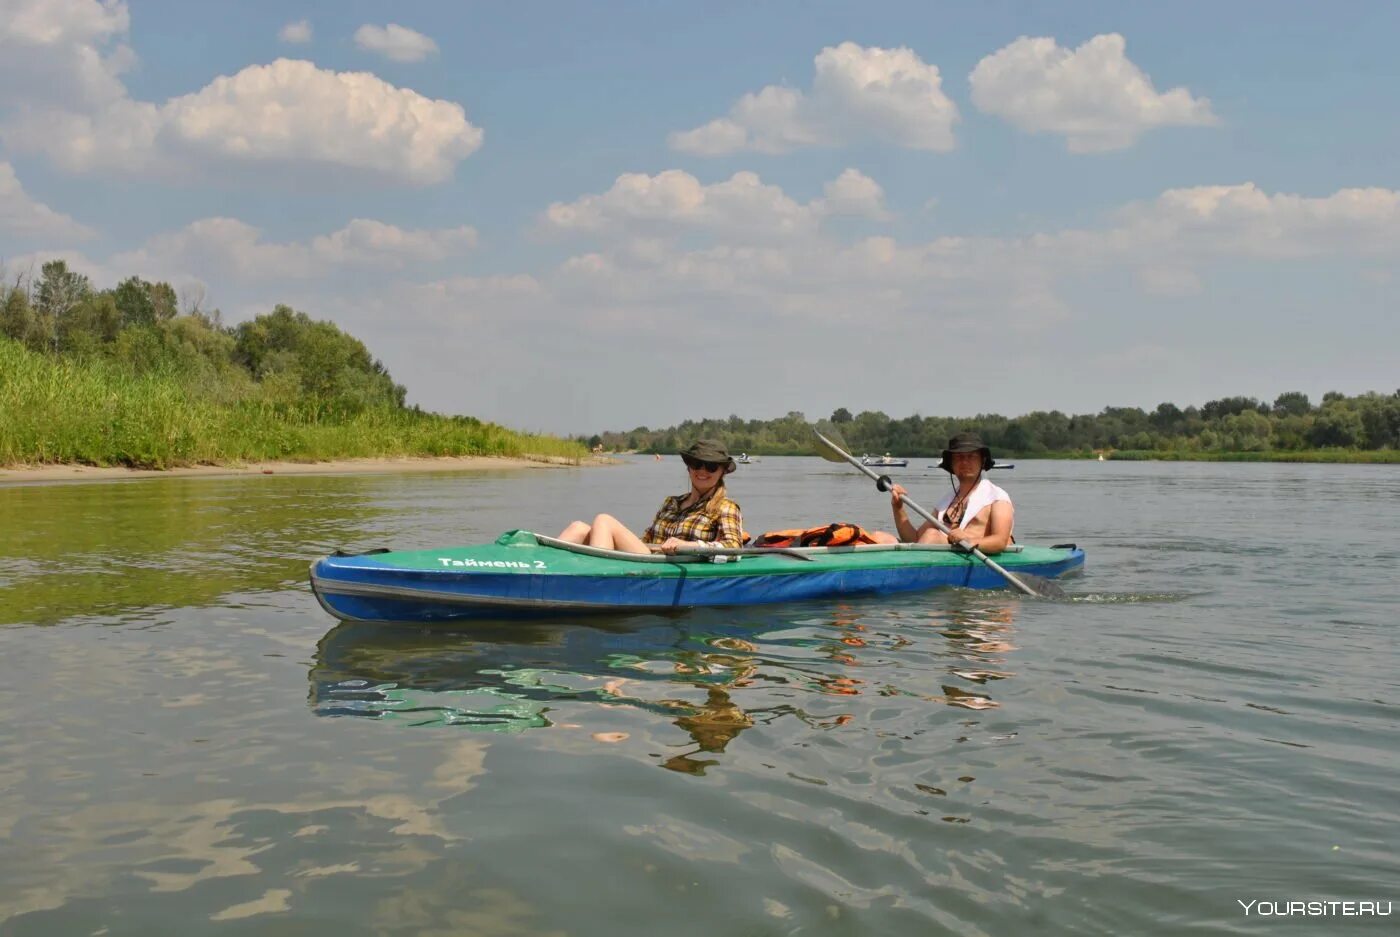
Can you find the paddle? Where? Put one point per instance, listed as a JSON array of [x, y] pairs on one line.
[[656, 556], [1043, 587], [739, 551]]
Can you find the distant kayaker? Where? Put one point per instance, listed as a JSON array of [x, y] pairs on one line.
[[976, 510], [702, 517]]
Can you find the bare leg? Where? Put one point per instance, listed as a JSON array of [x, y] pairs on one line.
[[609, 533], [880, 536], [576, 532]]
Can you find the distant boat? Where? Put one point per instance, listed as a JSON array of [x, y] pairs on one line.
[[1101, 457], [995, 465], [744, 459], [884, 461]]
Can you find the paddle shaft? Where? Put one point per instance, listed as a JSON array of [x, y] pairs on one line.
[[882, 482], [732, 551]]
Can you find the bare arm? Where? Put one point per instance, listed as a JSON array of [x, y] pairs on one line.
[[908, 533]]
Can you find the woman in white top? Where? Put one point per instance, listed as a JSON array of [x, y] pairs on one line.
[[979, 513]]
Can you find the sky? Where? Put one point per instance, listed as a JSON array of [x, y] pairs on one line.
[[573, 217]]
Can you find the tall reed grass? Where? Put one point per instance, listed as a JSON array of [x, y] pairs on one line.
[[94, 412]]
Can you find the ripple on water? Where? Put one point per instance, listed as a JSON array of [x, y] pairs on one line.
[[1202, 723]]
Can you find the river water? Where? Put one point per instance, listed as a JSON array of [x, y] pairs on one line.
[[192, 746]]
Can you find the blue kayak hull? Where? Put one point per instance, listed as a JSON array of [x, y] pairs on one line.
[[428, 587]]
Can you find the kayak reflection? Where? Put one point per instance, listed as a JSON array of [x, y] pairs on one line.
[[494, 676], [508, 677], [708, 674]]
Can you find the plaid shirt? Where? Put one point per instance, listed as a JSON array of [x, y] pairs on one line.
[[719, 524]]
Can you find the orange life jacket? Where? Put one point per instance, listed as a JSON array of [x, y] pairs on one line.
[[830, 535]]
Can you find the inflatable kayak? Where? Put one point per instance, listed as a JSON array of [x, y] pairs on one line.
[[531, 575]]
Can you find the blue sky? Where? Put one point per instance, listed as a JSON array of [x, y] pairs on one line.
[[565, 216]]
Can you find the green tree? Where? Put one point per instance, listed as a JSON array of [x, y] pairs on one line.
[[1380, 421], [1229, 406], [89, 325], [1336, 425], [1292, 432], [1292, 403], [164, 301], [1016, 438], [1246, 431], [335, 372], [58, 292], [1049, 431], [867, 432], [17, 319], [134, 303], [1167, 418]]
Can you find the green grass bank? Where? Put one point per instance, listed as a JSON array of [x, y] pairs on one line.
[[92, 411]]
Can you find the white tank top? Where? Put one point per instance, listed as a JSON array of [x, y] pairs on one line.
[[983, 495]]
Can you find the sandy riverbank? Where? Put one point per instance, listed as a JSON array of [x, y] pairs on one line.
[[91, 473]]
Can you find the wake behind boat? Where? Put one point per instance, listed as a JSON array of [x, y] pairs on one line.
[[526, 574]]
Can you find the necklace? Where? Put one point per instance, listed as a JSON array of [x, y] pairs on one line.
[[953, 514]]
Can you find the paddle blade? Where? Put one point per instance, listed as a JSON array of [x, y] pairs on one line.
[[828, 429], [1043, 588]]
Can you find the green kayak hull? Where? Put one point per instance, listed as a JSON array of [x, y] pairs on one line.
[[526, 574]]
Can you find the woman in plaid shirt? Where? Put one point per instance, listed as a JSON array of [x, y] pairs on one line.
[[702, 517]]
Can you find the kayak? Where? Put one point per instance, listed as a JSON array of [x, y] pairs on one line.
[[523, 574]]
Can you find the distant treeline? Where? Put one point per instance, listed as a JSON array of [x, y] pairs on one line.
[[1289, 427], [136, 375]]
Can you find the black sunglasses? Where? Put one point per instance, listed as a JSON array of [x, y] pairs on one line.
[[707, 466]]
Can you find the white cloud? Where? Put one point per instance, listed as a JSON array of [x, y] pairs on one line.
[[22, 217], [1244, 220], [854, 193], [857, 93], [220, 249], [741, 208], [61, 95], [718, 137], [1093, 95], [289, 112], [29, 266], [292, 110], [671, 260], [121, 135], [759, 248], [395, 42], [982, 285], [298, 32], [380, 244], [65, 52], [1168, 281]]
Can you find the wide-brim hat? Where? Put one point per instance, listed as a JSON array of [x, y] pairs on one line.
[[965, 442], [709, 450]]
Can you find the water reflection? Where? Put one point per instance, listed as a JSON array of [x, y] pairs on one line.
[[112, 550], [981, 634], [510, 677], [709, 674]]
